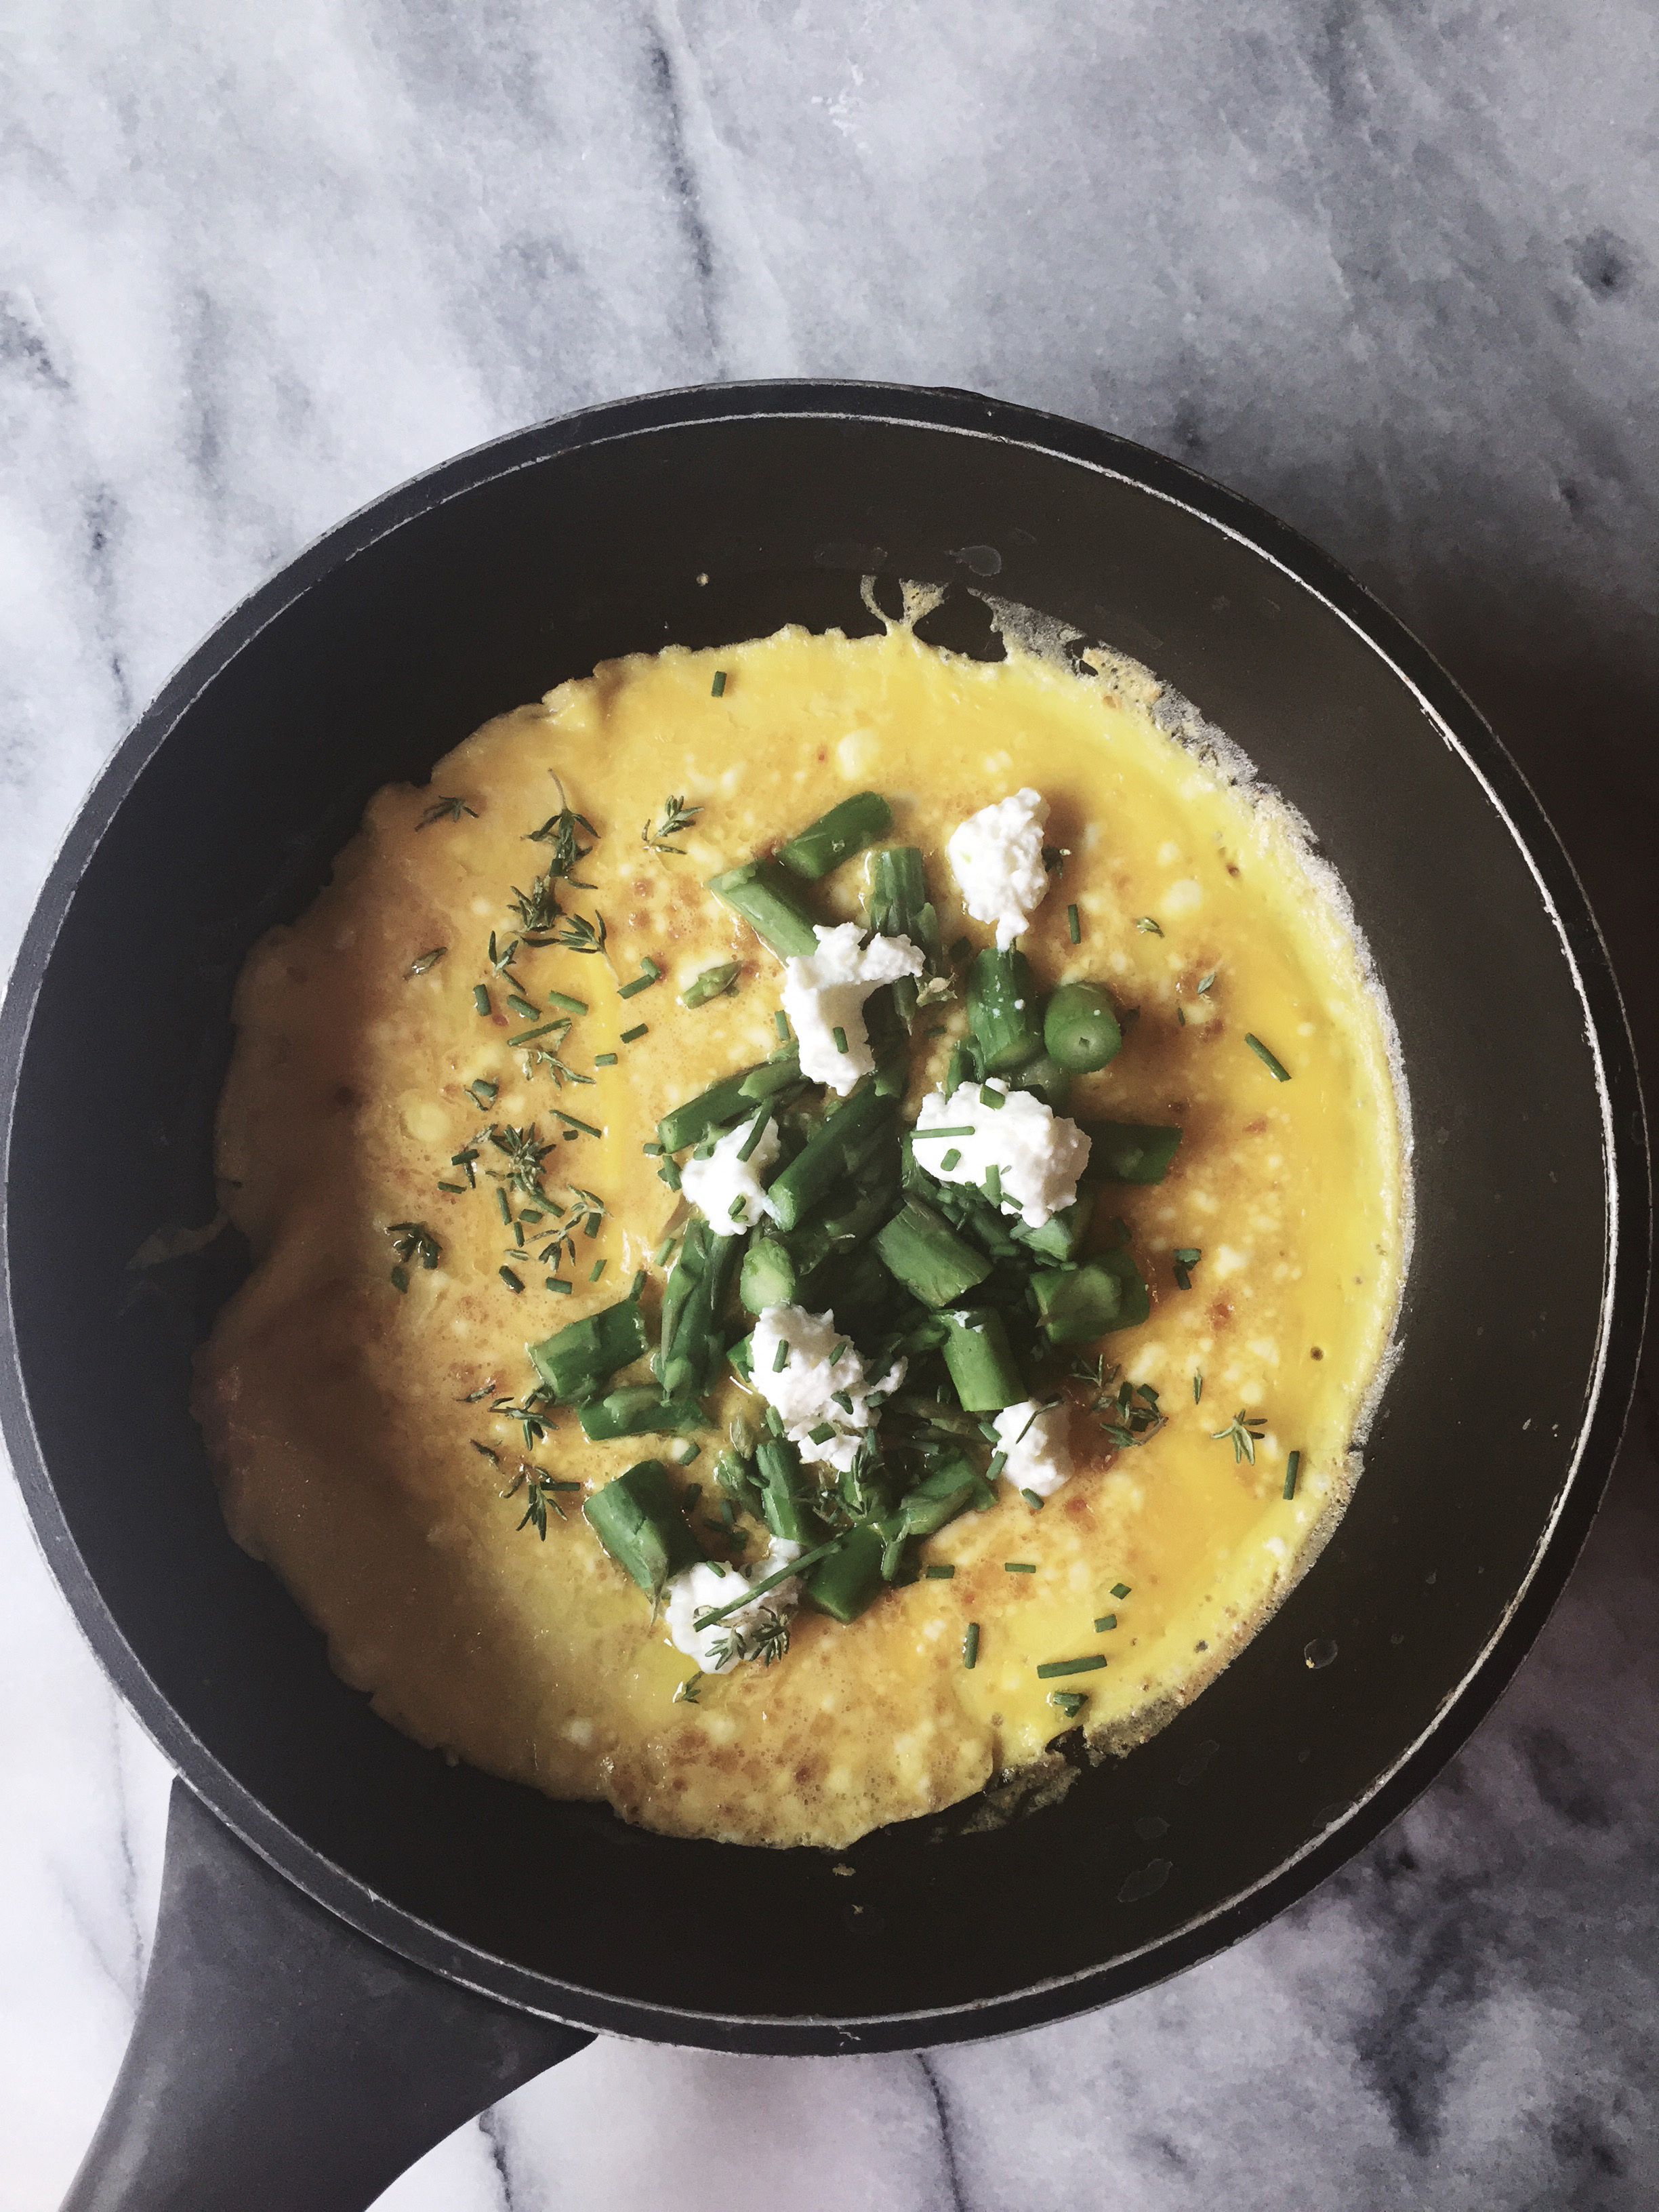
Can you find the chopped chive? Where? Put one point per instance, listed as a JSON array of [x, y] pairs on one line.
[[509, 1278], [1292, 1468], [530, 1215], [501, 1200], [939, 1573], [1120, 1590], [781, 1360], [633, 1036], [993, 1183], [1198, 1387], [840, 1037], [526, 1009], [526, 1037], [1070, 1702], [970, 1644], [481, 997], [599, 1269], [1032, 1500], [843, 1348], [400, 1277], [998, 1460], [717, 689], [553, 1283], [1018, 1567], [586, 1128], [959, 1129], [952, 1160], [1274, 1065], [518, 1234], [1181, 1018], [669, 1174], [995, 1099], [757, 1130], [1053, 1666], [660, 1257], [1186, 1258], [1074, 924], [653, 1150], [738, 1208], [1144, 923], [570, 1006], [604, 1060], [649, 969], [482, 1092], [640, 983], [460, 1187], [822, 1434], [781, 1023], [1107, 1621]]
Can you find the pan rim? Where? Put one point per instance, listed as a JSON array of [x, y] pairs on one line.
[[1626, 1203]]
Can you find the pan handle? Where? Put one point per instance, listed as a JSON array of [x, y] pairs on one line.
[[281, 2062]]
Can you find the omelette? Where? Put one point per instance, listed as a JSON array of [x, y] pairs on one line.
[[826, 1220]]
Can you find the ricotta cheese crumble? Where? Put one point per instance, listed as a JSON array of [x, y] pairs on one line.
[[1035, 1439], [824, 992], [1038, 1153], [729, 1189], [813, 1392], [996, 856]]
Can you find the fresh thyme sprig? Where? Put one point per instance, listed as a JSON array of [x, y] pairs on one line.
[[559, 830], [1244, 1432], [530, 1413], [676, 817], [419, 965], [1130, 1414], [446, 810], [541, 1490], [537, 909], [525, 1154], [576, 933]]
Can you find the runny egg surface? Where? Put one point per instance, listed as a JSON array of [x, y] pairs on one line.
[[362, 1431]]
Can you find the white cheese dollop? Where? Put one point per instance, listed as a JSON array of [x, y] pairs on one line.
[[804, 1391], [1037, 1440], [1038, 1153], [703, 1588], [825, 991], [997, 858], [721, 1181]]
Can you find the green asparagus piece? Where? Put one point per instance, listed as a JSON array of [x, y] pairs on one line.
[[575, 1361], [768, 901], [1061, 1233], [898, 906], [638, 1519], [1128, 1151], [1106, 1292], [1080, 1027], [691, 1347], [1047, 1079], [711, 983], [837, 835], [735, 1475], [640, 1409], [772, 1076], [920, 1247], [777, 1464], [809, 1176], [1002, 1011], [951, 1489], [768, 1275], [714, 1108], [850, 1579], [981, 1362]]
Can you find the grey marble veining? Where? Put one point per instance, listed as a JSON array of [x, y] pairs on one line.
[[1395, 271]]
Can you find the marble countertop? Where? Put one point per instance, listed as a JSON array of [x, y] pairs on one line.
[[1394, 272]]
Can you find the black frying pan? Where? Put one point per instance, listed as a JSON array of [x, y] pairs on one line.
[[394, 1943]]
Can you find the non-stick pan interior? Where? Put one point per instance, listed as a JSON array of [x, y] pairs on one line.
[[483, 586]]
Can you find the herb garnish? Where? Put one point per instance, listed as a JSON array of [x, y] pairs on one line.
[[525, 1154], [1292, 1469], [1275, 1067], [446, 810], [540, 1491], [425, 960], [1148, 927], [412, 1240], [559, 830], [1244, 1432], [1186, 1258], [676, 817]]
